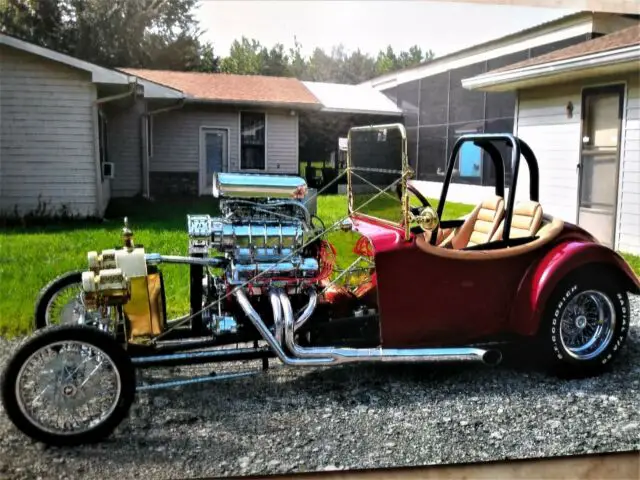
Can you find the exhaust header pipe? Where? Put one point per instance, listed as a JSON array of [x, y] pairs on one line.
[[379, 354], [257, 322], [320, 356]]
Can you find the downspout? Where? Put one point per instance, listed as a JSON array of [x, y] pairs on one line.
[[96, 103], [146, 184]]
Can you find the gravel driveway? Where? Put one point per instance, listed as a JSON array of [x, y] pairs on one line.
[[351, 417]]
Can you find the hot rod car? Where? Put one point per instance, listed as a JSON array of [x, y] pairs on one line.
[[264, 274]]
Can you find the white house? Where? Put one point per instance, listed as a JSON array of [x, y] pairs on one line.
[[437, 108], [50, 131], [579, 110], [74, 134]]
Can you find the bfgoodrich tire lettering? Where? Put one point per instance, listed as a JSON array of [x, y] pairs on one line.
[[599, 286]]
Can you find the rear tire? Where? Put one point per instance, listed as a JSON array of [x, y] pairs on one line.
[[93, 373], [48, 293], [585, 324]]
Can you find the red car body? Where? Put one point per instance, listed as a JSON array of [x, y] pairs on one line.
[[430, 300]]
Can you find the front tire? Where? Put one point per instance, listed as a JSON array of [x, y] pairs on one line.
[[68, 385], [586, 324]]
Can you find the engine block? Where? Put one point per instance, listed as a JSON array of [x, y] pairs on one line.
[[262, 229]]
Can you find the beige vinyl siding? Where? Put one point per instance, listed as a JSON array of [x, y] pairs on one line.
[[555, 140], [176, 139], [47, 142], [628, 234], [125, 148]]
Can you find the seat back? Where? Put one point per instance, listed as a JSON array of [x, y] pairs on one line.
[[480, 225], [526, 221]]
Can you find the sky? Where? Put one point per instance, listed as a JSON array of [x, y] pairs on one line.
[[370, 25]]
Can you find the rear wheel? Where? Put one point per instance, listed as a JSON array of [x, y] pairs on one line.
[[585, 324], [68, 385], [60, 302]]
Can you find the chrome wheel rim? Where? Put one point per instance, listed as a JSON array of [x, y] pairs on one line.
[[68, 388], [587, 325], [66, 306]]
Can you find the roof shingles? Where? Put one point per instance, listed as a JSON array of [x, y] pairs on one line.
[[232, 88], [620, 39]]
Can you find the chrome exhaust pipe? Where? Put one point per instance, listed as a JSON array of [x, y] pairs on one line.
[[379, 354], [278, 324], [257, 322], [308, 310], [492, 357]]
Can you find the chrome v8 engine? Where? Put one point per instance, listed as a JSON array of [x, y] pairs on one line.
[[261, 231]]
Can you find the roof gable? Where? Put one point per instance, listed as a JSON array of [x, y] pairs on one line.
[[616, 52], [570, 26], [623, 38], [98, 74]]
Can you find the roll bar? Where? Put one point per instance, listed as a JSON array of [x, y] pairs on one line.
[[487, 141]]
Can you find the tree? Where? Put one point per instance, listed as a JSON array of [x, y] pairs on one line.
[[357, 68], [322, 67], [387, 61], [297, 62], [275, 62], [245, 58], [208, 61], [250, 57], [113, 33], [40, 22]]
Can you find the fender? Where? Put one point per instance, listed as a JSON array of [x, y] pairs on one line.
[[544, 276]]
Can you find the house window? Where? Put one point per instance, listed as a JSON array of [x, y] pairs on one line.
[[252, 141], [102, 141]]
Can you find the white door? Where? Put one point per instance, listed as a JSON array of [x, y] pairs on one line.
[[599, 161], [214, 147]]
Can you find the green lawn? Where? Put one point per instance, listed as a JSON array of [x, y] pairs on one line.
[[30, 257], [633, 260], [303, 167]]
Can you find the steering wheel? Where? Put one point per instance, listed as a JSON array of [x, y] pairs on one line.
[[416, 212]]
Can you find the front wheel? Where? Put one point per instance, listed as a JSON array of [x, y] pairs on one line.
[[68, 385], [586, 324]]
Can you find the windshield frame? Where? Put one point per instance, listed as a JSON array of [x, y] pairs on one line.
[[404, 174]]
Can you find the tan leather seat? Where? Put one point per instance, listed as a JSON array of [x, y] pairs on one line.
[[479, 226], [526, 221]]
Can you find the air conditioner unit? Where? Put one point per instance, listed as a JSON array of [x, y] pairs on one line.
[[108, 169]]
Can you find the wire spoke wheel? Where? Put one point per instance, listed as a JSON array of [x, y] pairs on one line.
[[587, 324], [66, 306], [68, 387]]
